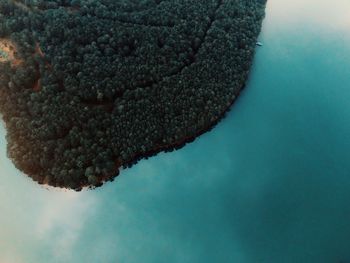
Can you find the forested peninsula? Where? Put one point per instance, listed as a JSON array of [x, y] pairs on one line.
[[90, 86]]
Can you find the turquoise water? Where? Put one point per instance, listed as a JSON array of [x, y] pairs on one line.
[[270, 184]]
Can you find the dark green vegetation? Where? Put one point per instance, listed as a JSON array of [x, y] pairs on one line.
[[103, 83]]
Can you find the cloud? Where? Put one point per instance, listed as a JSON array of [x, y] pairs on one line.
[[61, 221], [10, 258], [329, 14]]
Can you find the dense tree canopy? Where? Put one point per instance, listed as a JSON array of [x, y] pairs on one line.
[[103, 83]]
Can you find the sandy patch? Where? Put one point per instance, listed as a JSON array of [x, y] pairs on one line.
[[8, 52]]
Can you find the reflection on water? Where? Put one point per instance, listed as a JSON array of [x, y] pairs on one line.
[[269, 184]]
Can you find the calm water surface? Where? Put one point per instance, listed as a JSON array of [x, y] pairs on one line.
[[270, 184]]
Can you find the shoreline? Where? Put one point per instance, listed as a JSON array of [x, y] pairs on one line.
[[139, 156]]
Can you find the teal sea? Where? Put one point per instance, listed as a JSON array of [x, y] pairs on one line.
[[270, 184]]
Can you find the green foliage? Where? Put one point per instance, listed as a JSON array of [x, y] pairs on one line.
[[119, 80]]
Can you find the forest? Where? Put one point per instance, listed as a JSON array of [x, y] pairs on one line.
[[88, 87]]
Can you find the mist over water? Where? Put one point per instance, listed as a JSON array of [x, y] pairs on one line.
[[269, 184]]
